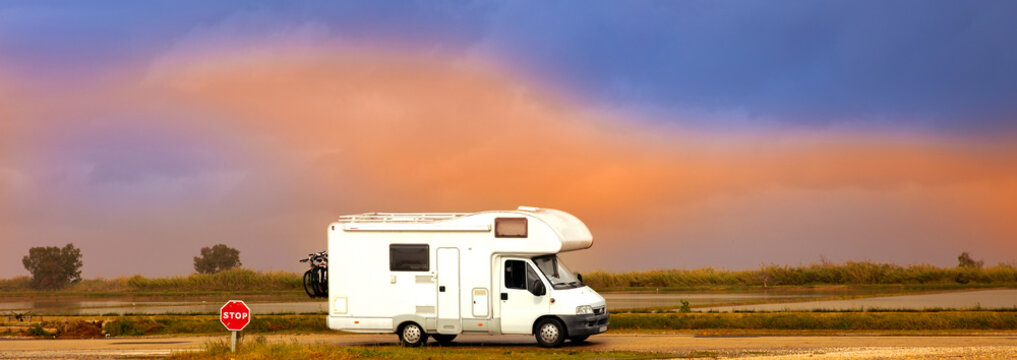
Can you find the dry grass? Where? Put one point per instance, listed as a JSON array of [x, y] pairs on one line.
[[801, 322], [849, 273], [257, 348], [841, 321], [235, 280]]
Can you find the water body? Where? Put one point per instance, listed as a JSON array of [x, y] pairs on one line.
[[154, 307], [615, 301], [984, 298]]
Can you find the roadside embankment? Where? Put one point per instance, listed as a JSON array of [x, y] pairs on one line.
[[819, 322]]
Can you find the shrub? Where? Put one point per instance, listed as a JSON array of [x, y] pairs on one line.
[[849, 273], [217, 258], [53, 267]]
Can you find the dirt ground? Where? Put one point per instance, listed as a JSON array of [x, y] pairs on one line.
[[764, 347]]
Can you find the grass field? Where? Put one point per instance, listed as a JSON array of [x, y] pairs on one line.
[[237, 280], [257, 349], [869, 274], [836, 321], [822, 322], [849, 273]]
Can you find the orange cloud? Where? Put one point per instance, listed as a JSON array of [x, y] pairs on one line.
[[325, 132], [427, 124], [439, 134]]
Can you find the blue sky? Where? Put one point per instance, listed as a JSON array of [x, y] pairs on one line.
[[941, 66], [685, 133]]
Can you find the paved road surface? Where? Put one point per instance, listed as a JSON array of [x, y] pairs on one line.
[[988, 299], [768, 347], [1006, 298]]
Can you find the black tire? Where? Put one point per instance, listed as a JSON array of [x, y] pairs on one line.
[[579, 339], [550, 333], [412, 335], [444, 339], [309, 283], [321, 282]]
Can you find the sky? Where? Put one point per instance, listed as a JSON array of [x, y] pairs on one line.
[[686, 134]]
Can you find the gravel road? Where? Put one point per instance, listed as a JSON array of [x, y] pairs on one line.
[[763, 347]]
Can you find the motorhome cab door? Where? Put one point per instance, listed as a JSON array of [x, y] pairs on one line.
[[519, 306]]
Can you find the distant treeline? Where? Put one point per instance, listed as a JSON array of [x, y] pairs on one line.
[[849, 273], [227, 280]]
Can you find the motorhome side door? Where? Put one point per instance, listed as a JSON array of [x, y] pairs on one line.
[[448, 291], [519, 306]]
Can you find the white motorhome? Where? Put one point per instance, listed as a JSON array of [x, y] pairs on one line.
[[438, 275]]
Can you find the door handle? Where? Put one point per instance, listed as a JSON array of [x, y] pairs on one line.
[[504, 296], [441, 288]]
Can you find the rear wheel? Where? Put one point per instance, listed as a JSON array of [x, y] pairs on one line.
[[550, 333], [412, 335], [444, 339], [321, 281], [309, 282]]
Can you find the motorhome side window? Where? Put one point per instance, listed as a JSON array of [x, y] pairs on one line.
[[510, 227], [408, 258], [515, 274], [518, 275]]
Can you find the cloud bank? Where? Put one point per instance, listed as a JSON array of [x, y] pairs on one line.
[[262, 148]]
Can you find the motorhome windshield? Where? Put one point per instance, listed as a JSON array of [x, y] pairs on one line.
[[556, 272]]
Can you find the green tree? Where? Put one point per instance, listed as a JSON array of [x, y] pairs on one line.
[[965, 261], [53, 267], [217, 258]]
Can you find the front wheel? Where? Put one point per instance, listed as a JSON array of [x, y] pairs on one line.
[[411, 335], [550, 333]]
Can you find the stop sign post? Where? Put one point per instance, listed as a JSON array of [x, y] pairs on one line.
[[235, 316]]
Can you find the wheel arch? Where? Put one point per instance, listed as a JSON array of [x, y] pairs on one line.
[[402, 324], [533, 329]]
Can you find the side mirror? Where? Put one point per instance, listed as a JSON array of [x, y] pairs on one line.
[[580, 277], [538, 288]]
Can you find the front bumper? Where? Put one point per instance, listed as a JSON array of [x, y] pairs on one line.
[[587, 324]]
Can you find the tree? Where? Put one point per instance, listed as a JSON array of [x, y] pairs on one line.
[[965, 261], [216, 259], [53, 267]]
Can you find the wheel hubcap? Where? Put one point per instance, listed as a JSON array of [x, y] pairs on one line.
[[411, 334], [549, 333]]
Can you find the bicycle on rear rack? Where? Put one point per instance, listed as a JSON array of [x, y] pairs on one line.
[[316, 278]]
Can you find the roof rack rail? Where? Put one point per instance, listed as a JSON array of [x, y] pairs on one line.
[[404, 218]]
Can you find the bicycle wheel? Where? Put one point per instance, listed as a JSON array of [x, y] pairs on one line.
[[310, 283], [321, 277]]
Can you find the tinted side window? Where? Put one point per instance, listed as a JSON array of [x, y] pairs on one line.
[[408, 258], [515, 274]]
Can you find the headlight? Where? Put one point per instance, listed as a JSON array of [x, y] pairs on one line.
[[584, 309]]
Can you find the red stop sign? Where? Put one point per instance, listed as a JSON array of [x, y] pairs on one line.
[[235, 315]]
